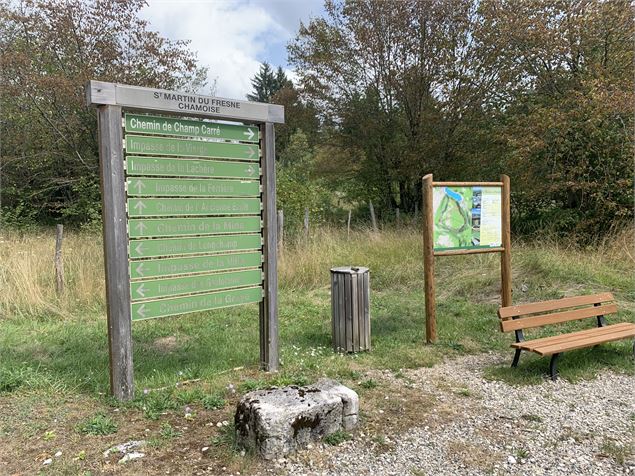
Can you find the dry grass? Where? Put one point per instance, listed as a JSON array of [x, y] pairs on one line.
[[27, 275], [27, 278]]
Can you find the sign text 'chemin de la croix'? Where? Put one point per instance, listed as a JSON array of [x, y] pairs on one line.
[[188, 211], [197, 216]]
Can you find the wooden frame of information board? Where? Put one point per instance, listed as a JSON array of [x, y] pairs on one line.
[[120, 208], [429, 252]]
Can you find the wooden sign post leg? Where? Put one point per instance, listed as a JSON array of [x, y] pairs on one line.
[[115, 251], [428, 259], [269, 305], [506, 255]]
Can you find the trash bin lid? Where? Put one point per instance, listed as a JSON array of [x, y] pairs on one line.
[[350, 270]]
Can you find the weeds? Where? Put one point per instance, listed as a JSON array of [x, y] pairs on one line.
[[212, 402], [167, 432], [369, 384], [99, 425], [337, 438], [615, 451]]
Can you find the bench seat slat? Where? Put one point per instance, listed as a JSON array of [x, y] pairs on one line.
[[587, 342], [545, 306], [557, 317], [576, 341], [533, 343]]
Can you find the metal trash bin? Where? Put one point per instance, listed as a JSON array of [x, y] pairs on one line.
[[350, 296]]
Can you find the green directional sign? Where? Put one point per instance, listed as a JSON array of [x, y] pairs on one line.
[[145, 207], [190, 128], [153, 268], [191, 168], [198, 302], [190, 148], [195, 245], [157, 288], [192, 187], [146, 228]]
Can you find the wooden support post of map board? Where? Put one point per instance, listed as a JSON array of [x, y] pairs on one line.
[[498, 221]]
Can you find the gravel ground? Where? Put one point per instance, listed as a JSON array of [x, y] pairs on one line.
[[479, 427]]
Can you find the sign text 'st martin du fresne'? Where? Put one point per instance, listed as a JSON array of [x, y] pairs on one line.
[[161, 100], [185, 102]]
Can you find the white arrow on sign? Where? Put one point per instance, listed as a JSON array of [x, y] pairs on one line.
[[249, 133], [250, 170], [139, 206], [139, 186], [139, 249], [251, 152], [140, 227], [141, 310], [139, 269], [141, 291]]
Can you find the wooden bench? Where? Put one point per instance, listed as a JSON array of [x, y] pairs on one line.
[[538, 314]]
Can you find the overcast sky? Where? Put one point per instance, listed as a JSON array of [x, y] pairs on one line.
[[232, 37]]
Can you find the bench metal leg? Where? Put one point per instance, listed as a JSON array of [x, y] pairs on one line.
[[516, 358], [553, 367]]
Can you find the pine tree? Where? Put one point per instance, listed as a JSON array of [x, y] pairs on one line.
[[266, 83]]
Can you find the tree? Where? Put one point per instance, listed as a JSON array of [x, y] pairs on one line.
[[570, 117], [266, 83], [468, 89], [50, 49], [397, 80]]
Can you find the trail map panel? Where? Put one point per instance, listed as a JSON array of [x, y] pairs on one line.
[[467, 217]]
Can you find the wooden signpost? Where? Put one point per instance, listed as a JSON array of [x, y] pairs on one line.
[[188, 211], [464, 218]]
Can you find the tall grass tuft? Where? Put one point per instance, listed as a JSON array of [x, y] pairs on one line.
[[27, 274], [394, 256]]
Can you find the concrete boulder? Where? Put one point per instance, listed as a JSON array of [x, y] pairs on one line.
[[278, 421]]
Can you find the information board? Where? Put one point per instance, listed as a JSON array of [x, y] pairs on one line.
[[188, 209], [177, 216], [461, 218], [467, 217]]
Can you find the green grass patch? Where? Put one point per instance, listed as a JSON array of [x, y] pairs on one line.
[[337, 438], [99, 425]]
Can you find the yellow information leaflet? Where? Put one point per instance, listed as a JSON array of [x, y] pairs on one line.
[[467, 217]]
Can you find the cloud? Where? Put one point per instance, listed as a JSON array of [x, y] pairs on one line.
[[232, 38]]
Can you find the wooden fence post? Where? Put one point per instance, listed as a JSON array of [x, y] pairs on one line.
[[59, 263], [373, 219], [306, 223], [348, 224], [280, 230], [428, 258], [506, 255]]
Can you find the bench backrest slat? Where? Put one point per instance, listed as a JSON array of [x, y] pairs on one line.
[[556, 317], [556, 304]]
